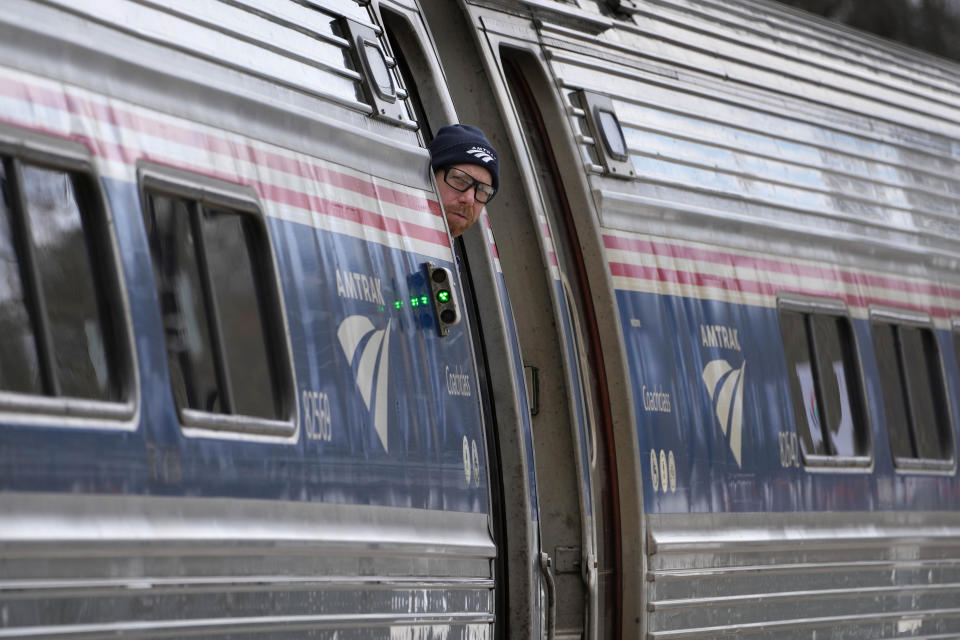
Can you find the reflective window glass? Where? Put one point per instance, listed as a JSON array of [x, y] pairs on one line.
[[839, 384], [378, 69], [806, 407], [60, 333], [66, 278], [212, 270], [921, 364], [180, 290], [232, 272], [914, 392], [826, 386], [612, 134], [19, 367], [894, 397]]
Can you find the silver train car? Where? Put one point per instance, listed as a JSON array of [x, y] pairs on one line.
[[694, 374]]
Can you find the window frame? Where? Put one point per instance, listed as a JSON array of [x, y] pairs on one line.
[[157, 179], [113, 308], [920, 320], [810, 305], [955, 336]]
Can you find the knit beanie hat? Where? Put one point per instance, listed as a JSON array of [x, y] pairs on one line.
[[463, 144]]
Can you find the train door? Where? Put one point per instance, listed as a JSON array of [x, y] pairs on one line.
[[552, 258], [551, 250], [588, 407], [496, 369]]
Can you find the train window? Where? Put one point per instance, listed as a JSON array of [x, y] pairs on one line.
[[914, 390], [825, 381], [956, 340], [612, 134], [20, 365], [220, 308], [61, 334], [601, 117], [894, 406], [376, 64], [66, 278], [379, 85]]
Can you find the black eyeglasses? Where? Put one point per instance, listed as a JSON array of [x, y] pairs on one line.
[[462, 181]]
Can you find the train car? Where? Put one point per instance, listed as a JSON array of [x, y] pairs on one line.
[[693, 375], [239, 391], [743, 223]]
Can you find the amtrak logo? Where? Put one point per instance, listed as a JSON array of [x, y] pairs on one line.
[[482, 154], [725, 386], [372, 371]]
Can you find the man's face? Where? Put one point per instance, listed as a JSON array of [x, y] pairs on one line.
[[460, 207]]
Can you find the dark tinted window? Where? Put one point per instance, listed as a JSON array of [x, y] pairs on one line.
[[925, 391], [220, 318], [956, 340], [19, 364], [914, 392], [233, 275], [839, 382], [66, 279], [57, 321], [894, 394], [825, 383], [800, 375], [185, 322]]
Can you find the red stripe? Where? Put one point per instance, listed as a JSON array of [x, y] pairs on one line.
[[97, 147], [545, 228], [493, 244], [353, 214], [197, 139], [765, 264], [270, 192], [551, 252], [658, 274], [324, 206]]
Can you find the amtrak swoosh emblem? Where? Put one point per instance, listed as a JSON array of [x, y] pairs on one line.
[[372, 371], [725, 386]]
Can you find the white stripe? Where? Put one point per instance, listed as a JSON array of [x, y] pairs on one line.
[[787, 280], [641, 285], [231, 167], [309, 218]]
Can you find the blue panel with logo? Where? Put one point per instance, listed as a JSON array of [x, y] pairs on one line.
[[402, 404], [716, 425], [388, 410]]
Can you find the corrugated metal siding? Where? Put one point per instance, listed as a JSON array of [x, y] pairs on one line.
[[792, 576], [738, 109], [754, 128], [78, 566], [292, 45]]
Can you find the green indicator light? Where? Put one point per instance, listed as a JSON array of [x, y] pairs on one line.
[[443, 296], [414, 302], [397, 304], [424, 300]]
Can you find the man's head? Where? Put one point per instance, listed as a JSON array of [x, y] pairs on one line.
[[467, 171]]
